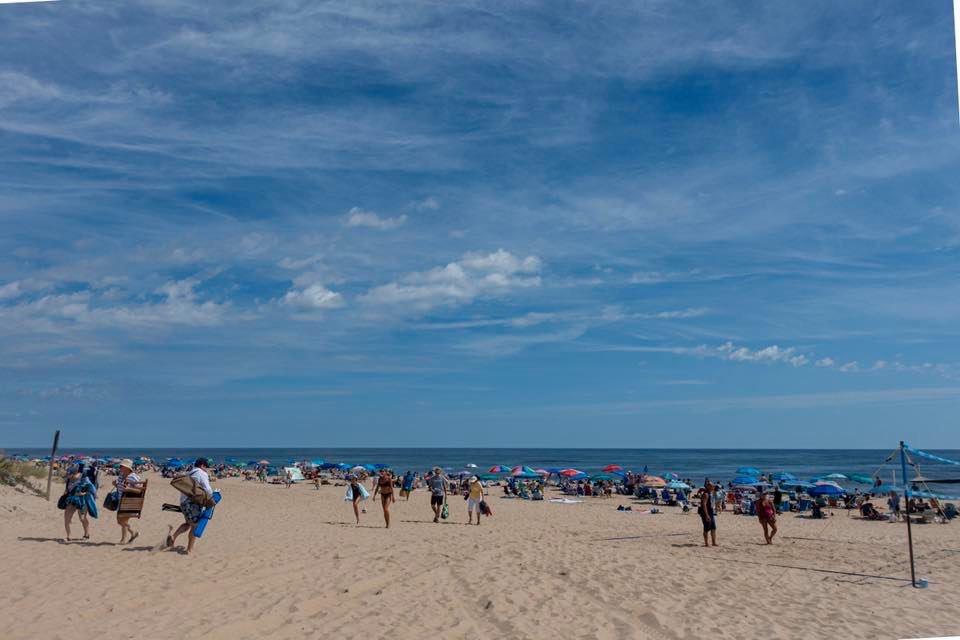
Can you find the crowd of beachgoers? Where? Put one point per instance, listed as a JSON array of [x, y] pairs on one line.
[[749, 492]]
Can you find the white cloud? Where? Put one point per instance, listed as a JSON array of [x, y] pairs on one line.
[[475, 275], [10, 290], [357, 217], [773, 353], [850, 366], [313, 297], [826, 362]]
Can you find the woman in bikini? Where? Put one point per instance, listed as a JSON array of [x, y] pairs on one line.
[[384, 487], [356, 495], [767, 514]]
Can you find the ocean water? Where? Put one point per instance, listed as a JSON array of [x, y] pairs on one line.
[[696, 464]]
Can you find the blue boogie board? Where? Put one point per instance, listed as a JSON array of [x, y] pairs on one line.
[[205, 516]]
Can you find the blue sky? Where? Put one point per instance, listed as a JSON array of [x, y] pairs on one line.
[[481, 224]]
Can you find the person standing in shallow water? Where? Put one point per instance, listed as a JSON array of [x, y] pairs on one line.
[[384, 486], [707, 515]]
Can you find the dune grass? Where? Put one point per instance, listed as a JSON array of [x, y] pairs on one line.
[[15, 473]]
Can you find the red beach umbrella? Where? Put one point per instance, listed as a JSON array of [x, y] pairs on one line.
[[612, 467], [570, 472]]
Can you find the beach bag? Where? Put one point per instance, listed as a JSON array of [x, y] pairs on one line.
[[112, 501], [485, 508], [445, 513], [189, 487], [62, 502]]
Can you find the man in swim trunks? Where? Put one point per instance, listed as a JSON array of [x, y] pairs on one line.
[[707, 516], [384, 487], [437, 484]]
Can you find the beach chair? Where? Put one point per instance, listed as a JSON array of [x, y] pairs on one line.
[[784, 506], [803, 505], [131, 504]]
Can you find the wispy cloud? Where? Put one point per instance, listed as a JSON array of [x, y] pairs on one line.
[[357, 217]]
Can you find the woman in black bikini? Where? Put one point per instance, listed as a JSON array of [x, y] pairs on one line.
[[385, 489], [356, 494]]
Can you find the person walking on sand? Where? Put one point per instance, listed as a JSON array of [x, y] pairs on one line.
[[384, 487], [474, 498], [707, 515], [192, 510], [407, 487], [356, 493], [81, 498], [767, 514], [127, 482], [437, 484]]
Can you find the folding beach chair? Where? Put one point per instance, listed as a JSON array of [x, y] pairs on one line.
[[131, 504], [804, 505]]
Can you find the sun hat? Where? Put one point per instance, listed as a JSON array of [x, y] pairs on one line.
[[474, 479], [127, 462]]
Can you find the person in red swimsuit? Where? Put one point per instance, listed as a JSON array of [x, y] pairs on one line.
[[767, 514]]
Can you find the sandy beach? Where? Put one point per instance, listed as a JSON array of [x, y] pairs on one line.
[[290, 563]]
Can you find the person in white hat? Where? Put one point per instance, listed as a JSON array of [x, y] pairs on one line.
[[474, 498], [127, 482]]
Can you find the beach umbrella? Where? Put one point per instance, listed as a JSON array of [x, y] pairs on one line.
[[746, 481], [471, 466], [783, 476], [835, 476], [602, 476], [263, 462], [554, 469], [569, 473], [527, 476], [542, 472], [612, 467], [654, 482], [488, 476], [748, 471], [676, 484], [317, 463], [380, 465], [861, 478], [520, 470], [670, 475], [499, 468], [825, 489], [886, 488], [358, 469]]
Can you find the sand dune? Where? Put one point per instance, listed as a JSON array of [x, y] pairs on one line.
[[284, 563]]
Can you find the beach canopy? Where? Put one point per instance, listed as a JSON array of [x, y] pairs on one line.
[[499, 468], [676, 484], [612, 467], [748, 471]]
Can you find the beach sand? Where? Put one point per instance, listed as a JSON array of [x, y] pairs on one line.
[[282, 563]]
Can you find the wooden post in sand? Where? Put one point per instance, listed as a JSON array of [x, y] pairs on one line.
[[906, 506], [53, 454]]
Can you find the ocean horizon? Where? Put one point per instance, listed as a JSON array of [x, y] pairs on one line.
[[695, 464]]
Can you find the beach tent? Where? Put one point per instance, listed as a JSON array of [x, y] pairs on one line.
[[748, 471], [295, 474]]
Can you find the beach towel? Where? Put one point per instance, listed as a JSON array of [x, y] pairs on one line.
[[364, 494], [189, 487], [565, 501]]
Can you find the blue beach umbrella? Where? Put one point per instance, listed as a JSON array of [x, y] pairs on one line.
[[783, 476], [860, 478], [676, 484], [670, 475], [825, 489], [746, 480], [317, 463], [602, 476], [748, 471], [835, 476]]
